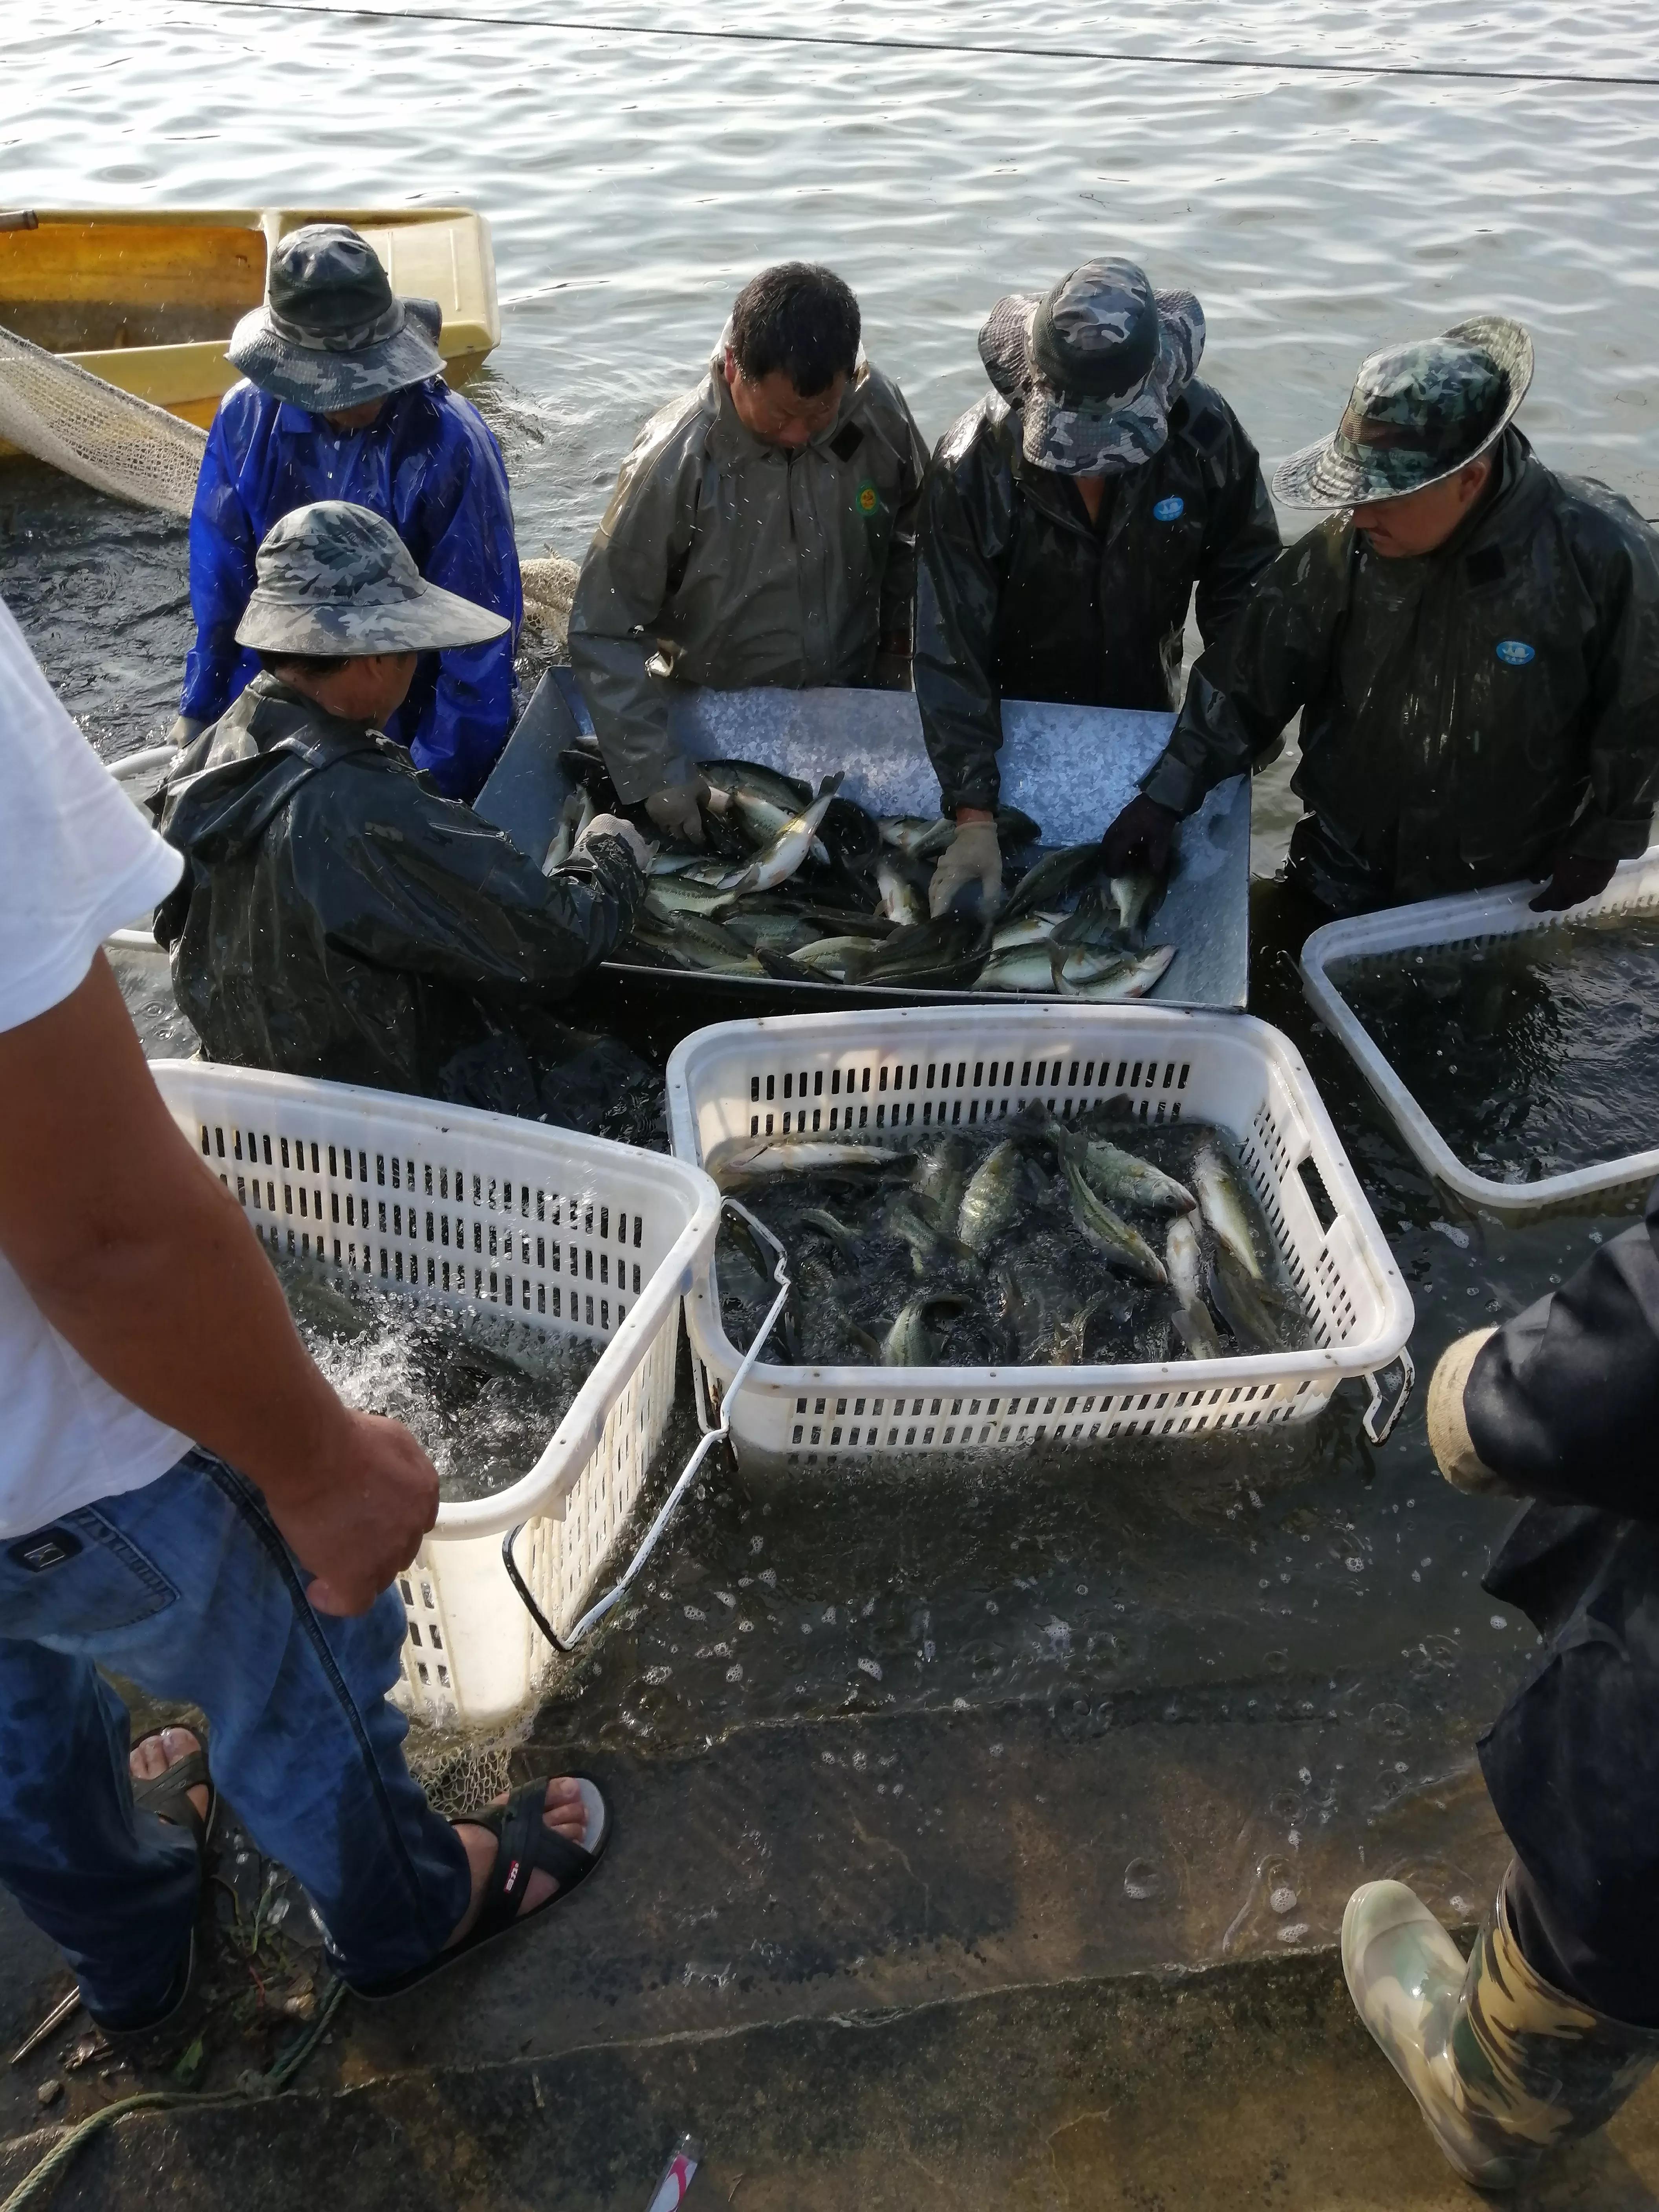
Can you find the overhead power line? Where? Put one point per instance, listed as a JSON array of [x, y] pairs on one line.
[[679, 32]]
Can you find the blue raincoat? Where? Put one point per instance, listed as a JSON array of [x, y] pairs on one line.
[[429, 464]]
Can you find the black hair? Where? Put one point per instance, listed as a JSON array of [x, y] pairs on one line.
[[802, 318], [303, 664]]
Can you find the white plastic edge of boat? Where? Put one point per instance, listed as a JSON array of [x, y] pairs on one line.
[[1472, 918]]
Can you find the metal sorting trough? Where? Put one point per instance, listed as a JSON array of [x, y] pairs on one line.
[[1072, 769]]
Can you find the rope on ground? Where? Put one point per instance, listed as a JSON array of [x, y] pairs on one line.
[[680, 32], [36, 2185]]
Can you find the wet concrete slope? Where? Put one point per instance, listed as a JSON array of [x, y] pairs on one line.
[[934, 1789]]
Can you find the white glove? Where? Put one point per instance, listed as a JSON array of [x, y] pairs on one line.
[[184, 731], [972, 856], [675, 810], [612, 825]]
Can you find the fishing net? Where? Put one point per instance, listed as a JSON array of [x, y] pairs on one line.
[[118, 444], [549, 586]]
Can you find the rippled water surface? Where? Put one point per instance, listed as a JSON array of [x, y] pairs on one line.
[[633, 184]]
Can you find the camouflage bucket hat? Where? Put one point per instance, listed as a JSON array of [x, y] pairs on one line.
[[331, 332], [1417, 414], [1095, 364], [334, 579]]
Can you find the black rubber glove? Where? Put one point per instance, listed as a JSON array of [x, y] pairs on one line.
[[1143, 832], [1576, 877]]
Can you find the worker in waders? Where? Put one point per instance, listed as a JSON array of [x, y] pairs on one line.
[[1472, 642], [345, 399], [337, 916], [762, 532], [1554, 2019], [186, 1505], [1070, 516]]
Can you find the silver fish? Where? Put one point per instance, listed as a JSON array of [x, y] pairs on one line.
[[910, 1343], [930, 1247], [841, 959], [1029, 929], [1125, 1247], [941, 1177], [1125, 1176], [729, 777], [1055, 876], [787, 851], [574, 818], [843, 1239], [670, 897], [992, 1198], [1183, 1257], [900, 900], [1131, 979], [763, 820], [1070, 1338], [1076, 970], [777, 932], [1222, 1199], [918, 836], [755, 1156], [692, 942], [1135, 895], [1242, 1301]]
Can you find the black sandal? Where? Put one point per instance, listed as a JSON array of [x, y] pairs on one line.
[[167, 1795], [523, 1845]]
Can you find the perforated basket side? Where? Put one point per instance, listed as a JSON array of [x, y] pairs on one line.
[[964, 1067], [447, 1206], [1479, 918]]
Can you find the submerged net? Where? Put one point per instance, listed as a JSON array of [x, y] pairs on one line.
[[106, 437]]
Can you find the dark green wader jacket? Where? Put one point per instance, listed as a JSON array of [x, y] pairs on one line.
[[337, 918], [1466, 716], [1020, 596]]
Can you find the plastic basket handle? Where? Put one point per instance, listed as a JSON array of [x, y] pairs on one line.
[[688, 1474], [1377, 1432]]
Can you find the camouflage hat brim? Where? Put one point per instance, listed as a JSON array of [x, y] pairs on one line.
[[1336, 471], [423, 620], [1080, 440], [322, 379]]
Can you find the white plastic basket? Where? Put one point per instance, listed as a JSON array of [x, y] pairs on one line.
[[1474, 920], [965, 1066], [449, 1206]]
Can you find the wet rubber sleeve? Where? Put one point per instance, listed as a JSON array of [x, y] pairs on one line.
[[1241, 540], [222, 544], [1622, 575], [1563, 1402], [1245, 686], [467, 522], [898, 582], [415, 883], [966, 515], [641, 544]]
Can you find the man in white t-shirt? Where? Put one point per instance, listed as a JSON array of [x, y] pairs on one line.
[[184, 1501]]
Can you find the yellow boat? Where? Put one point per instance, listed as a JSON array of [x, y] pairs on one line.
[[147, 299]]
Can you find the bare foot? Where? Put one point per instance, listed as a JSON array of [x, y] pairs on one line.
[[562, 1810], [157, 1752]]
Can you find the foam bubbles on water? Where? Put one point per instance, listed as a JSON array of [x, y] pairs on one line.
[[483, 1393]]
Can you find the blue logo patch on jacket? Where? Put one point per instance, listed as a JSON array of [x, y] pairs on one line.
[[1515, 651], [1169, 510]]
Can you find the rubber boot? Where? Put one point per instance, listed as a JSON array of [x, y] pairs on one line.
[[1503, 2066]]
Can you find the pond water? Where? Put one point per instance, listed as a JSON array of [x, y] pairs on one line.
[[633, 183]]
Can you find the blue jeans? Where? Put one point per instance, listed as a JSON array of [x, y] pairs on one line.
[[186, 1588]]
